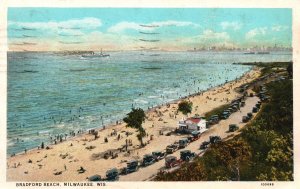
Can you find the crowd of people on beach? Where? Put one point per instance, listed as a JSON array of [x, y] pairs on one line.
[[75, 115]]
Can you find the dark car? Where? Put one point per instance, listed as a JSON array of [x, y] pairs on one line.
[[190, 138], [214, 139], [94, 178], [148, 159], [245, 119], [235, 108], [171, 148], [254, 109], [233, 127], [172, 161], [230, 110], [213, 120], [257, 105], [204, 145], [132, 166], [243, 103], [183, 142], [237, 104], [196, 134], [186, 155], [112, 174], [225, 115], [250, 115], [158, 155]]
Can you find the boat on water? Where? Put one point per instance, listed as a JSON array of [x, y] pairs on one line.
[[263, 52], [93, 54], [251, 52]]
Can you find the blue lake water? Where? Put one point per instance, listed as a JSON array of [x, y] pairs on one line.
[[50, 93]]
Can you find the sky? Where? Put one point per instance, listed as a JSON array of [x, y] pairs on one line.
[[60, 29]]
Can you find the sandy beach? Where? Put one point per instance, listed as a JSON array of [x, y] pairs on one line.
[[85, 151]]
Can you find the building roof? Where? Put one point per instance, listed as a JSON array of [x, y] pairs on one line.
[[194, 120]]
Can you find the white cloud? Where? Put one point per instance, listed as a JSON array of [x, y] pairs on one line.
[[209, 34], [207, 37], [76, 24], [174, 23], [256, 32], [231, 25], [122, 26], [278, 28]]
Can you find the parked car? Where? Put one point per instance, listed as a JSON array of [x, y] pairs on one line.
[[254, 109], [235, 108], [214, 119], [236, 103], [250, 115], [196, 134], [190, 138], [148, 159], [257, 105], [94, 178], [214, 139], [186, 155], [225, 115], [233, 127], [112, 174], [158, 155], [243, 103], [183, 142], [171, 148], [172, 161], [204, 145], [132, 166], [230, 110], [245, 119]]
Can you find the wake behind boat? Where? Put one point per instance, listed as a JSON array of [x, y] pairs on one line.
[[94, 55]]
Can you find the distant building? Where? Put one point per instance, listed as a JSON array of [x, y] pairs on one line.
[[195, 123]]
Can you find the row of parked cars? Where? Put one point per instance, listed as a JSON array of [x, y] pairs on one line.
[[234, 106], [263, 94], [249, 115], [149, 159], [132, 166], [212, 140], [182, 143]]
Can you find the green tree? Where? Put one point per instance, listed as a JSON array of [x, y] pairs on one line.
[[224, 160], [185, 107], [135, 119], [289, 69]]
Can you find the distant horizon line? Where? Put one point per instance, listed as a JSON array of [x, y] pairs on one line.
[[200, 50]]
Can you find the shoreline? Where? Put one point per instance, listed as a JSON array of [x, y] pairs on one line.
[[88, 152], [147, 111]]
